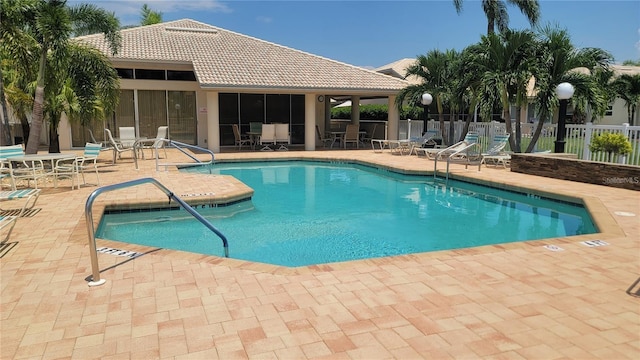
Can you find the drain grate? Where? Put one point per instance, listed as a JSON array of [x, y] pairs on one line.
[[118, 252], [6, 247], [594, 243]]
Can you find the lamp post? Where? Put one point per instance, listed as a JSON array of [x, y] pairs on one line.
[[426, 101], [564, 91]]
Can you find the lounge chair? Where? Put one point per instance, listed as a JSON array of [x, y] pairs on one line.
[[30, 197], [496, 155], [7, 222], [240, 139], [411, 145], [282, 136], [268, 136], [74, 167], [117, 147], [427, 140], [458, 150]]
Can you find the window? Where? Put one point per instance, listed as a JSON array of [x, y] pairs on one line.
[[181, 75], [125, 73], [145, 74], [609, 111]]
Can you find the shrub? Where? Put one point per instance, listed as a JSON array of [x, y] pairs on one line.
[[377, 112], [611, 144]]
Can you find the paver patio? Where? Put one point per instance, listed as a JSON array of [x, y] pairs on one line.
[[515, 301]]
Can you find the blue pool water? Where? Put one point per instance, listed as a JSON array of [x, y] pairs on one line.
[[305, 213]]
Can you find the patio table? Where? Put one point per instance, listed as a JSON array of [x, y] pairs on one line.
[[39, 172]]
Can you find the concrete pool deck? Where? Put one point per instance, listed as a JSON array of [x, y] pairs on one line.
[[516, 301]]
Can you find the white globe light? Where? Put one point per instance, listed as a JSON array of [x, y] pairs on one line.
[[564, 91], [426, 99]]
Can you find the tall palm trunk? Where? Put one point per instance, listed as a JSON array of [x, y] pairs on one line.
[[6, 129], [38, 108]]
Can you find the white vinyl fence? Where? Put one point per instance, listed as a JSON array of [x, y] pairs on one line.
[[577, 138]]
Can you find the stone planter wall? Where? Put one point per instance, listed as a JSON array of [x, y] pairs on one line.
[[561, 167]]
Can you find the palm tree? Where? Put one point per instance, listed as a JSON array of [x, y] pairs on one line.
[[48, 26], [497, 15], [504, 65], [149, 17], [436, 71], [627, 87], [559, 61]]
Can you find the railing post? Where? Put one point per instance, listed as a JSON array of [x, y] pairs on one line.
[[588, 133]]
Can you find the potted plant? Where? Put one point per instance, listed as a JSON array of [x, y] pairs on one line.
[[611, 144]]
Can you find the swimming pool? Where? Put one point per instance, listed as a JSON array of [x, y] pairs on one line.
[[305, 213]]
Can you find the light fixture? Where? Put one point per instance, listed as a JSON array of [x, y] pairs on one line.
[[564, 91], [426, 100]]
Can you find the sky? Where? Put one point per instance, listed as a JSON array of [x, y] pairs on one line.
[[375, 33]]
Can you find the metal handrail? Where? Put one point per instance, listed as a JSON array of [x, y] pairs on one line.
[[456, 153], [178, 145], [96, 281]]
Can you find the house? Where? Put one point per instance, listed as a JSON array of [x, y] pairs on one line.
[[200, 80]]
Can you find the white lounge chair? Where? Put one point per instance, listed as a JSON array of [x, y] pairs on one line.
[[496, 155], [30, 197], [7, 223], [459, 149]]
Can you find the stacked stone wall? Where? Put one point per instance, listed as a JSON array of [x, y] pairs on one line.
[[559, 167]]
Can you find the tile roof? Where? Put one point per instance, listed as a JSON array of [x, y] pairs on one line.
[[225, 59], [398, 69]]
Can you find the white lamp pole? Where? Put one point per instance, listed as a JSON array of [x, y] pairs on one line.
[[426, 101], [564, 91]]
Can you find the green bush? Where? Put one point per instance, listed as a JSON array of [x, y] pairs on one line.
[[611, 144], [377, 112]]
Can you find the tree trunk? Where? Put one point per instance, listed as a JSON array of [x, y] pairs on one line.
[[26, 129], [5, 140], [537, 132], [54, 140], [36, 122], [518, 136]]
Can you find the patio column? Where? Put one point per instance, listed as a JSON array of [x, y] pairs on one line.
[[309, 122], [355, 110], [394, 119], [213, 121]]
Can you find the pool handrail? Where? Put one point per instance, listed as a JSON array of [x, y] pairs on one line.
[[178, 145], [95, 269]]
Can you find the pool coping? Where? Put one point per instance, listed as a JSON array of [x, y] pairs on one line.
[[602, 218]]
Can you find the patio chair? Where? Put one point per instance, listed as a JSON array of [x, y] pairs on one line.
[[30, 197], [117, 147], [351, 135], [321, 138], [155, 143], [268, 136], [127, 136], [240, 139], [282, 136], [75, 167], [7, 222], [18, 171], [369, 135]]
